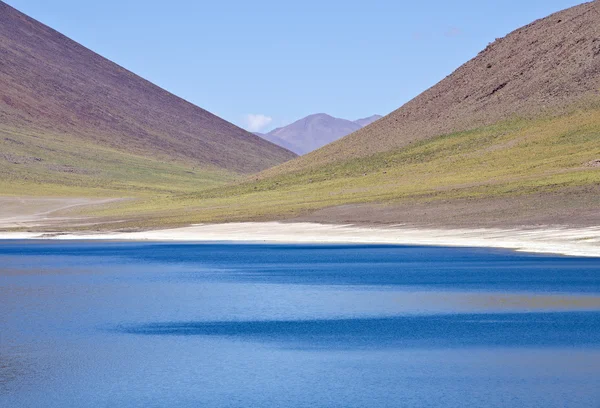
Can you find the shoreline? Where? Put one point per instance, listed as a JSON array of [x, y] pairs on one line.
[[570, 241]]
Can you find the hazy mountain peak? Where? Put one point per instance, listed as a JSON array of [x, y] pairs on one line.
[[315, 131]]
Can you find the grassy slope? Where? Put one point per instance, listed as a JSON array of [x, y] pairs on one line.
[[541, 69], [74, 123], [538, 70], [518, 157], [39, 164]]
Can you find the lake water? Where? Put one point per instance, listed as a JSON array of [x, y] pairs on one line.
[[97, 324]]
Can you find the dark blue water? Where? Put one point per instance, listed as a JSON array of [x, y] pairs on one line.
[[218, 325]]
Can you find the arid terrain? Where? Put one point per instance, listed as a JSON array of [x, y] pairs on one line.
[[40, 212], [68, 117], [547, 67], [510, 139]]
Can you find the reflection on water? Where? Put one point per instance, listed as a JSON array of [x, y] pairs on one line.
[[517, 330], [136, 325]]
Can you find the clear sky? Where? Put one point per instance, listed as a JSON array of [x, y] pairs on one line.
[[282, 60]]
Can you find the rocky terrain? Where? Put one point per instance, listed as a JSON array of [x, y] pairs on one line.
[[543, 68]]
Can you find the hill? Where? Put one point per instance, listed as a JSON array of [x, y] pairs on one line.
[[315, 131], [71, 118], [539, 69], [278, 141], [512, 137]]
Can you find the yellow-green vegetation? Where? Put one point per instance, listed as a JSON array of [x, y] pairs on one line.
[[512, 158], [61, 165]]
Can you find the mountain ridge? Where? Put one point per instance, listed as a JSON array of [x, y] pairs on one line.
[[544, 67], [510, 138], [53, 85]]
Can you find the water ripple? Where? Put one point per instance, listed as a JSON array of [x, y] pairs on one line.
[[464, 330]]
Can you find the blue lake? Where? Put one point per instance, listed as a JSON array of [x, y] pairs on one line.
[[110, 324]]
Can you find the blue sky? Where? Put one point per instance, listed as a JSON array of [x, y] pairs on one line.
[[282, 60]]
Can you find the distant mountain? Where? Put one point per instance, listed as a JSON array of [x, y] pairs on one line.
[[55, 91], [314, 131], [367, 121]]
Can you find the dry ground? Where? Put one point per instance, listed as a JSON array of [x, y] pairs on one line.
[[575, 207], [35, 212]]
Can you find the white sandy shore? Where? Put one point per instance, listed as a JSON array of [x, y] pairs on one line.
[[555, 240]]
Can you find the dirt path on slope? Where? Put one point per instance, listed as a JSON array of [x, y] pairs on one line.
[[24, 212]]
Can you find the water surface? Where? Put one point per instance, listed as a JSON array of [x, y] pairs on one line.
[[103, 324]]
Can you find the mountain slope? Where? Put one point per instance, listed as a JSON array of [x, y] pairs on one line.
[[511, 138], [541, 68], [314, 131], [471, 151], [279, 142], [63, 107]]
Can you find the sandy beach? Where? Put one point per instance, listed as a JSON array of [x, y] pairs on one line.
[[38, 214], [551, 240]]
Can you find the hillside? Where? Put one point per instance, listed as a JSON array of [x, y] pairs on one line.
[[314, 131], [72, 118], [510, 138], [279, 142], [541, 68]]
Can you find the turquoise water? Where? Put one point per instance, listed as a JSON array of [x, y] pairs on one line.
[[100, 324]]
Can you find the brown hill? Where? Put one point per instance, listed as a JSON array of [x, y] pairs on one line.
[[51, 85], [510, 138], [544, 67]]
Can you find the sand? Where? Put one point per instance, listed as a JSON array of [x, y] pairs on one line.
[[551, 240]]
